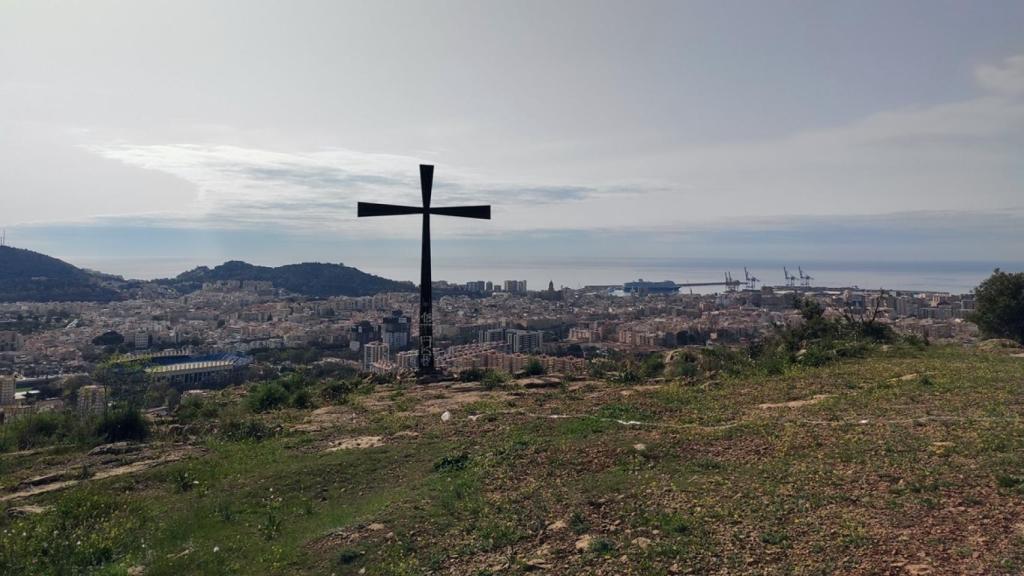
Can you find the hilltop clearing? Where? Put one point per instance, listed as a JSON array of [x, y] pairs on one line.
[[909, 461]]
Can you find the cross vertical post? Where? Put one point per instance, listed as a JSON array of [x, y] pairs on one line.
[[426, 357], [426, 365]]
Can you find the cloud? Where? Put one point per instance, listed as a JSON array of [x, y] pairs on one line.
[[959, 156], [954, 157], [1006, 79], [247, 187]]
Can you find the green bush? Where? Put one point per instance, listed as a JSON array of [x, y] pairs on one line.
[[452, 462], [41, 428], [122, 425], [338, 391], [267, 396], [295, 381], [47, 429], [684, 365], [534, 367], [999, 306], [245, 430], [493, 379], [472, 375], [302, 399], [628, 374], [726, 360], [194, 409], [653, 366]]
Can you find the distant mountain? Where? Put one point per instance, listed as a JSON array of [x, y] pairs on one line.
[[30, 276], [308, 279], [33, 277]]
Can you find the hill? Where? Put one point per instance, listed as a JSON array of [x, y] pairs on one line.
[[313, 279], [908, 461], [30, 276]]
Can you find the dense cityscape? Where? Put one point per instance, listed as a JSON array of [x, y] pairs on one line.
[[227, 331]]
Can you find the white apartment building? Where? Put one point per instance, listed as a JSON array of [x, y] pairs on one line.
[[375, 352]]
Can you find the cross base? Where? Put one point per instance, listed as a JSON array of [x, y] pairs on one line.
[[430, 377]]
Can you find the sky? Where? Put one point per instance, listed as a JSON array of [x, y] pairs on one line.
[[145, 137]]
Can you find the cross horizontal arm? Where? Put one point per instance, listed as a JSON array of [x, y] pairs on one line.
[[371, 209], [481, 212]]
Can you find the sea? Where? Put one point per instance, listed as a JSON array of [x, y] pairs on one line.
[[957, 277], [919, 276]]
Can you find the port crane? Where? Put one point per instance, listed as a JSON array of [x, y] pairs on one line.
[[751, 280], [805, 279], [790, 280], [730, 284]]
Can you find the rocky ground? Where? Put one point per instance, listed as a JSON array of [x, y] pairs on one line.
[[907, 462]]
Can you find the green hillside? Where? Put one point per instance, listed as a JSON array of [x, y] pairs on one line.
[[309, 279], [907, 461], [31, 276]]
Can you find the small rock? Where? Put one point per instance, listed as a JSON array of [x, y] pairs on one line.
[[27, 510], [375, 527], [537, 564], [446, 416], [583, 544], [640, 447], [642, 542], [557, 526], [115, 448]]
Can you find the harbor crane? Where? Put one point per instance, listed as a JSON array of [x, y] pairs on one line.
[[805, 279], [790, 280], [751, 280], [730, 284]]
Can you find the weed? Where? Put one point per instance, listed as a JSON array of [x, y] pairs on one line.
[[602, 546], [774, 537], [578, 523], [452, 463], [183, 480]]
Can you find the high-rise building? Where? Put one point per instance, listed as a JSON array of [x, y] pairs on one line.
[[396, 330], [491, 336], [7, 384], [375, 352], [92, 399], [10, 341], [142, 340], [523, 341], [362, 334], [515, 286]]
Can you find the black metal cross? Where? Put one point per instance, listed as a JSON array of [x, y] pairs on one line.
[[426, 357]]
